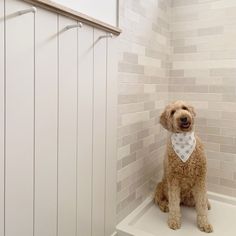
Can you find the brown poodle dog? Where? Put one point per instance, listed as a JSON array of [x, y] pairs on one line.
[[184, 180]]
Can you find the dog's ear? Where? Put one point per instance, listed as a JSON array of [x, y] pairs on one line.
[[192, 110], [163, 119]]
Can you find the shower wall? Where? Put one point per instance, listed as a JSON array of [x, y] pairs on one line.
[[169, 50], [143, 92], [203, 72]]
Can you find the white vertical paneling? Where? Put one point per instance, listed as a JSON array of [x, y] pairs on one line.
[[60, 128], [99, 134], [67, 127], [2, 107], [111, 124], [20, 120], [85, 123], [45, 123]]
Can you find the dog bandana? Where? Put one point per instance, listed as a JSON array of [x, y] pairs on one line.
[[183, 144]]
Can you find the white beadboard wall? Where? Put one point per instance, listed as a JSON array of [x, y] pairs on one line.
[[57, 126]]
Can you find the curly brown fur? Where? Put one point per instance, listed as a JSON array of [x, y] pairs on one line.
[[183, 182]]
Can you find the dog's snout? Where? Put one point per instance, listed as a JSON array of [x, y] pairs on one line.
[[184, 119]]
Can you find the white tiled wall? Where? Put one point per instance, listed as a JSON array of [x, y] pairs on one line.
[[169, 50], [203, 72], [144, 47]]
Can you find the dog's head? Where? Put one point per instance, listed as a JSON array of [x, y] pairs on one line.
[[178, 117]]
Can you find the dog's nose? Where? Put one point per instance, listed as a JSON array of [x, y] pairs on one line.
[[184, 119]]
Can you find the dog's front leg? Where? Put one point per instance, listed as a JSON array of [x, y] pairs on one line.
[[174, 220], [200, 196]]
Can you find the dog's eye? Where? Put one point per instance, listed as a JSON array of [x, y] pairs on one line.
[[172, 112], [184, 108]]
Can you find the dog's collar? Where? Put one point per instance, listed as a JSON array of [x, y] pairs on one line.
[[183, 144]]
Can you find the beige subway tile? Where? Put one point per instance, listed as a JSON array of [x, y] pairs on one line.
[[178, 3], [130, 108], [211, 30], [130, 98], [219, 189], [223, 54], [130, 138], [228, 183], [228, 166], [143, 133], [221, 89], [212, 146], [229, 115], [176, 73], [149, 105], [149, 61], [130, 78], [229, 97], [125, 88], [223, 72], [214, 164], [124, 67], [192, 16], [149, 88], [128, 159], [186, 49], [228, 148], [213, 179], [196, 88], [123, 151], [184, 34], [130, 58], [220, 139], [228, 131], [123, 131], [207, 130], [182, 80], [136, 146], [148, 140], [121, 195]]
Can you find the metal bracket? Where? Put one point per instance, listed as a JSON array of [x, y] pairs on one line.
[[31, 9], [110, 35], [79, 25]]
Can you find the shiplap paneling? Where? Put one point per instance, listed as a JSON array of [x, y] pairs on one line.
[[67, 128], [111, 132], [85, 130], [99, 134], [59, 178], [46, 93], [20, 120], [2, 119]]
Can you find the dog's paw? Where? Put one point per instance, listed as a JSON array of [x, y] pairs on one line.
[[164, 207], [204, 225], [174, 222], [206, 228]]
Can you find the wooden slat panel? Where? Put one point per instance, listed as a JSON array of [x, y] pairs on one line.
[[45, 123], [67, 128], [99, 133], [111, 124], [85, 123], [20, 120], [2, 130]]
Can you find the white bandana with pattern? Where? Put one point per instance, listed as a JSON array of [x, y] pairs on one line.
[[183, 144]]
